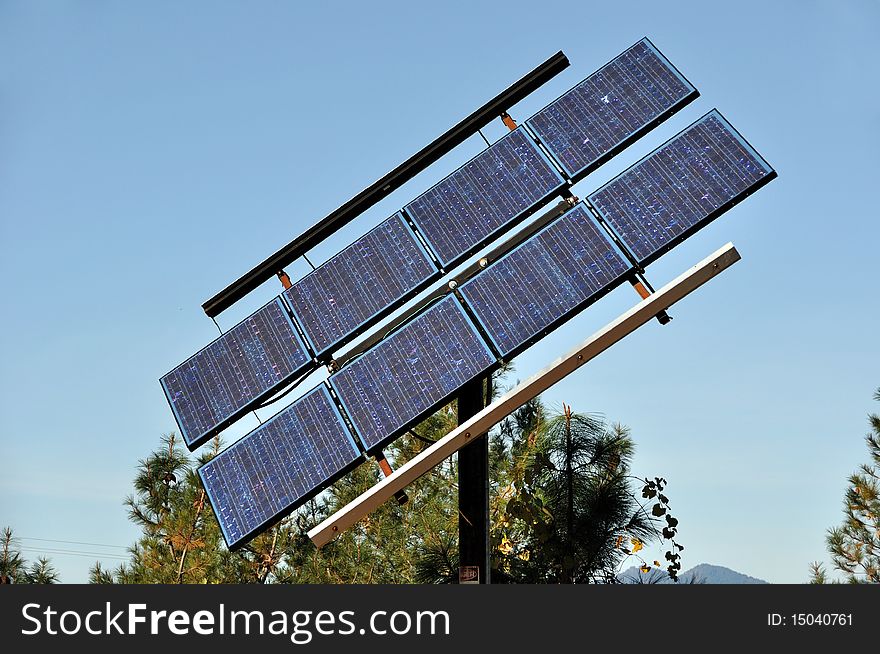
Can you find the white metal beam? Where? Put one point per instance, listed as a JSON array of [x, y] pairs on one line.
[[522, 393]]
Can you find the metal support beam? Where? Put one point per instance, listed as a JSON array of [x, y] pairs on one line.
[[613, 332], [383, 187], [473, 489]]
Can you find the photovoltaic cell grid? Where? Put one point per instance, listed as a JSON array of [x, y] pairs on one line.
[[545, 280], [369, 276], [223, 380], [681, 186], [394, 383], [609, 108], [278, 466], [489, 193]]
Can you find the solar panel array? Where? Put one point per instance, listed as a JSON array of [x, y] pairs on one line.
[[369, 276], [382, 269], [488, 194], [681, 186], [222, 381], [547, 279], [610, 108], [278, 466], [392, 385]]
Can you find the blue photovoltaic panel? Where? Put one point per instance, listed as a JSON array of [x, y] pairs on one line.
[[395, 383], [611, 108], [370, 276], [681, 186], [223, 380], [485, 196], [278, 466], [545, 280]]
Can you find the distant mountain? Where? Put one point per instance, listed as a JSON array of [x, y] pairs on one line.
[[703, 573], [718, 574]]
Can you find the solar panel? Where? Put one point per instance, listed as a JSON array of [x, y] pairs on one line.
[[222, 381], [416, 369], [680, 187], [487, 195], [279, 466], [545, 280], [611, 108], [361, 283]]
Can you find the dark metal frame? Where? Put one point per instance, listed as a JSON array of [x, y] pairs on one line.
[[386, 185]]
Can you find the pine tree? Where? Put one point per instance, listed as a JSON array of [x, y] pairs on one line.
[[12, 565], [563, 508], [855, 545], [42, 572], [14, 568], [580, 474]]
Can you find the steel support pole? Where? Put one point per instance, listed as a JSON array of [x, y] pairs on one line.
[[473, 489]]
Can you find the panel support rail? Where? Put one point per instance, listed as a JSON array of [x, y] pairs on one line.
[[384, 186], [485, 419]]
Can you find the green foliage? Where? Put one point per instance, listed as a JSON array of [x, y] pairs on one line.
[[855, 544], [652, 489], [12, 565], [563, 510], [42, 572], [14, 568], [818, 574]]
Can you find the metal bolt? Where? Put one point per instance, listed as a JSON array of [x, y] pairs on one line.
[[335, 528], [580, 357], [467, 434]]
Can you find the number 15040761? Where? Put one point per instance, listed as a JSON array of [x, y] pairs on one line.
[[810, 620]]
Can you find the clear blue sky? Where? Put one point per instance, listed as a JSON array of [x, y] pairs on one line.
[[152, 152]]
